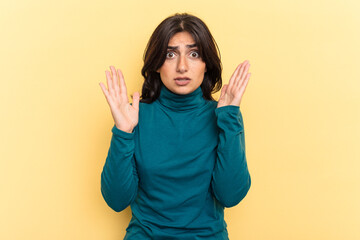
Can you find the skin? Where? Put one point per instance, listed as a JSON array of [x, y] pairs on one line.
[[183, 62], [232, 93]]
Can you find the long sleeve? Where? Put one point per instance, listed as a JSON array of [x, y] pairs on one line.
[[119, 179], [230, 179]]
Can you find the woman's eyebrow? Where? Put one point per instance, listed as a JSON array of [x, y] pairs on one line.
[[177, 47]]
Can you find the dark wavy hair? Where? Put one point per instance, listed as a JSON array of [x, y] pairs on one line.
[[155, 55]]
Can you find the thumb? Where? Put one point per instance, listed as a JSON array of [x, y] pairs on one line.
[[136, 99], [223, 91]]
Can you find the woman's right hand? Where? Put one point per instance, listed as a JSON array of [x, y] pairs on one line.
[[126, 116]]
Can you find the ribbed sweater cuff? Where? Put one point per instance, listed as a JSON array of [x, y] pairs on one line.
[[228, 108], [122, 134], [235, 122]]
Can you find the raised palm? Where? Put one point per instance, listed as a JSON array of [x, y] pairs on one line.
[[231, 94], [126, 116]]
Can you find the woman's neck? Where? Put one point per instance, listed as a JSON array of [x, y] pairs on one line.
[[180, 102]]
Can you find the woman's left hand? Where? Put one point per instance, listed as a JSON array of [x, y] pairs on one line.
[[232, 93]]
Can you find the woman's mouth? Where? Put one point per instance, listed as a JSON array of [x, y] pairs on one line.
[[182, 81]]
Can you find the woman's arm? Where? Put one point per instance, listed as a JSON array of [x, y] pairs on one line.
[[230, 179], [119, 179]]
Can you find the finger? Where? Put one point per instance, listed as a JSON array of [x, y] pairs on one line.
[[106, 93], [242, 67], [223, 91], [115, 80], [233, 76], [136, 99], [109, 83], [123, 90], [246, 69], [243, 87], [243, 75], [244, 64]]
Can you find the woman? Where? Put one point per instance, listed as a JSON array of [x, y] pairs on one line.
[[177, 157]]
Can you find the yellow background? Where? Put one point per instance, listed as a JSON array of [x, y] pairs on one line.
[[301, 112]]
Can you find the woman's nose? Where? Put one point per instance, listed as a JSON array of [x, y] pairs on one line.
[[182, 64]]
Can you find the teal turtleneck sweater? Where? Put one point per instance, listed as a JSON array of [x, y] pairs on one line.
[[183, 163]]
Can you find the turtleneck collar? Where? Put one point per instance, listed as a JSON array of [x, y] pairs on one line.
[[180, 102]]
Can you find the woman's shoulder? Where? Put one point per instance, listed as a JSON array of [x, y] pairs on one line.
[[212, 103], [146, 104], [147, 107]]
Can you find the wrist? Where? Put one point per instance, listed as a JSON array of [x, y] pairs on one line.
[[128, 130]]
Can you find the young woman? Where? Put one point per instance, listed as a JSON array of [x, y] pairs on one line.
[[177, 156]]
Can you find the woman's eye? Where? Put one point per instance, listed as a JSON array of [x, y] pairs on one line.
[[195, 54], [170, 54]]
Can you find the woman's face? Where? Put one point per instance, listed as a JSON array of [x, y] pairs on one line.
[[183, 70]]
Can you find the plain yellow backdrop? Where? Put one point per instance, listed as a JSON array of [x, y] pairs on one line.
[[301, 112]]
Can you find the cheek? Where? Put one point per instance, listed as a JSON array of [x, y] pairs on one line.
[[201, 69], [197, 67], [165, 70]]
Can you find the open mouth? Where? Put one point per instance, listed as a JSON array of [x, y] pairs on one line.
[[182, 81]]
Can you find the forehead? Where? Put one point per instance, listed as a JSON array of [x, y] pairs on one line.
[[181, 38]]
